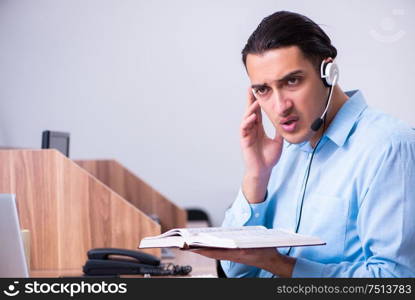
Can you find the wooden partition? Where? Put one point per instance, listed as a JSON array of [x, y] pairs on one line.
[[67, 210], [138, 192]]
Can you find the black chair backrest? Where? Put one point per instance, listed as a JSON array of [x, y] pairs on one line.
[[197, 214]]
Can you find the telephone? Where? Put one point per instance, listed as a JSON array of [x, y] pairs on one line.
[[115, 261]]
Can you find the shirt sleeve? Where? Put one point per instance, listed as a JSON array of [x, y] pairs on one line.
[[386, 223], [242, 213]]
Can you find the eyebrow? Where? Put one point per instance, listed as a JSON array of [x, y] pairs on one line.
[[284, 78]]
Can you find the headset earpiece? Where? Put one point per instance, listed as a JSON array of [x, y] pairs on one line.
[[329, 73]]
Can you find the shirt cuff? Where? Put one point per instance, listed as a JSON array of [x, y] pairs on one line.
[[258, 211], [242, 213], [307, 268]]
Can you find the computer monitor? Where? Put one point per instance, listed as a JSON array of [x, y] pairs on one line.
[[56, 140], [12, 254]]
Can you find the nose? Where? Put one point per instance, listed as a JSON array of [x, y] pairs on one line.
[[282, 104]]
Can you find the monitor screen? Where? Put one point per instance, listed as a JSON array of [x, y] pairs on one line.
[[56, 140]]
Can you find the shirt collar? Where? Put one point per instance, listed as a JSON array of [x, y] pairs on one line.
[[347, 116], [343, 122]]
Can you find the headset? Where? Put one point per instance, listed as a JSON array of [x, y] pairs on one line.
[[329, 73]]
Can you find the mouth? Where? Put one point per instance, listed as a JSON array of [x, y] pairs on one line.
[[289, 124]]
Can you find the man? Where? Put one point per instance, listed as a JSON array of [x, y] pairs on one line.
[[349, 181]]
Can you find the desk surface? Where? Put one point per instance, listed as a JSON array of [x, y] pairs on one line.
[[201, 266]]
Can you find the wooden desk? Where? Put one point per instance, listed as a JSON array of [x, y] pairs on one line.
[[201, 266]]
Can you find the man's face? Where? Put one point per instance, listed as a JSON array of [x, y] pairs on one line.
[[289, 90]]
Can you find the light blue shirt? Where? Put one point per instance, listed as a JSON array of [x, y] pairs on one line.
[[360, 199]]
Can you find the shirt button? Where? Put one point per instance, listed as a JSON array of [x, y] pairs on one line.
[[256, 215]]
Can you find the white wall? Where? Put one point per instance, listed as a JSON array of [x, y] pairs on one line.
[[159, 85]]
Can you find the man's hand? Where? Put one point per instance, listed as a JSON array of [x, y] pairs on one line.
[[260, 152], [265, 258]]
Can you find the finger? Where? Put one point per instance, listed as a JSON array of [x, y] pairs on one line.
[[248, 128], [248, 123], [251, 109], [250, 97], [259, 113]]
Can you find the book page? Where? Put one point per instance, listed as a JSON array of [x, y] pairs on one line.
[[187, 232], [257, 238], [224, 230], [172, 232], [240, 233], [169, 241], [254, 234]]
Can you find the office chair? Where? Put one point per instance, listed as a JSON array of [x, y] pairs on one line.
[[197, 214]]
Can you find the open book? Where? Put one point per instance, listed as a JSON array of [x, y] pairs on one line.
[[228, 237]]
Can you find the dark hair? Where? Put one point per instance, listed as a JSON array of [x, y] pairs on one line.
[[283, 29]]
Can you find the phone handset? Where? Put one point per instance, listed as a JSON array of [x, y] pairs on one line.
[[108, 253]]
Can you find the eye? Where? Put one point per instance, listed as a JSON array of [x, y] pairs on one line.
[[261, 91], [293, 81]]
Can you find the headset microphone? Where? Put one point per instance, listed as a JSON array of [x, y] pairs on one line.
[[329, 73]]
